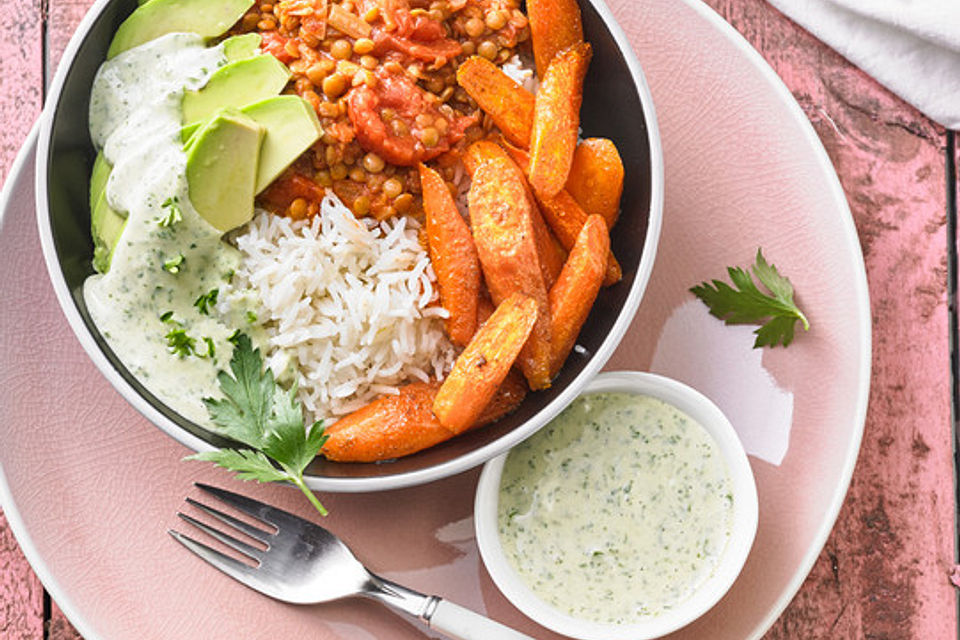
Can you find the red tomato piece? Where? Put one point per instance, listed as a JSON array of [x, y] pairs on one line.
[[275, 44], [288, 188], [399, 139], [419, 37]]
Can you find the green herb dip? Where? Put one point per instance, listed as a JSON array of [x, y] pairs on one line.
[[148, 298], [617, 510]]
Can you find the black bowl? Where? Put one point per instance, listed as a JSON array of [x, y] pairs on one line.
[[617, 105]]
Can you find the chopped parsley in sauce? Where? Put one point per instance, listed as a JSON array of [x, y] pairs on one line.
[[617, 510]]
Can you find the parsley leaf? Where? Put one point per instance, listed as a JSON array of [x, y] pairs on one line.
[[179, 343], [205, 301], [260, 414], [747, 304], [246, 463], [173, 213]]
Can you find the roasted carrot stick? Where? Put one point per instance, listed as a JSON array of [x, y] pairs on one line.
[[485, 307], [500, 218], [554, 26], [453, 256], [572, 297], [565, 218], [393, 426], [596, 178], [508, 397], [482, 366], [506, 102], [552, 254], [389, 427], [556, 120], [478, 153]]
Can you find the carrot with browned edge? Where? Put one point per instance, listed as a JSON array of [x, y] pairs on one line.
[[483, 365], [389, 427], [505, 401], [565, 218], [596, 178], [508, 104], [554, 26], [556, 120], [575, 291], [453, 256], [500, 218], [552, 254]]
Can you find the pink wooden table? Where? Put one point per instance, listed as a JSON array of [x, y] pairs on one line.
[[885, 570]]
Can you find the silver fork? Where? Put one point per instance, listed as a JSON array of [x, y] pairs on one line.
[[303, 563]]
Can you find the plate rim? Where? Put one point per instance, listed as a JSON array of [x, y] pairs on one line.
[[846, 222], [8, 505], [862, 294]]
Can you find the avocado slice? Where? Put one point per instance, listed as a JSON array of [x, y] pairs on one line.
[[242, 46], [186, 133], [207, 18], [106, 226], [106, 223], [222, 168], [98, 179], [235, 85], [291, 125]]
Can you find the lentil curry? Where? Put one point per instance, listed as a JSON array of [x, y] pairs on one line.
[[382, 77]]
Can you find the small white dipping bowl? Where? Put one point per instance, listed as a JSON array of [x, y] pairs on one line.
[[703, 411]]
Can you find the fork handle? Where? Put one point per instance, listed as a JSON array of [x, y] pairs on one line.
[[464, 624]]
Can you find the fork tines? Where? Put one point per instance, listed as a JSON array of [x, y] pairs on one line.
[[257, 510]]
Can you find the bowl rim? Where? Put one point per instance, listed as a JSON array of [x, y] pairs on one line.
[[444, 469], [732, 560]]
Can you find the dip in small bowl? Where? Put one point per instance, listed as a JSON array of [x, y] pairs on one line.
[[628, 516]]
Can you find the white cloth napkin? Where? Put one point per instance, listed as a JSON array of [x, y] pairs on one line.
[[910, 46]]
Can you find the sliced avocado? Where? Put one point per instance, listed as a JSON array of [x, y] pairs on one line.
[[186, 133], [240, 47], [291, 125], [106, 226], [222, 168], [207, 18], [235, 85], [98, 179]]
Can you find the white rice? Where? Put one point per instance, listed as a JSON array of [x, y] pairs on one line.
[[352, 303], [522, 72]]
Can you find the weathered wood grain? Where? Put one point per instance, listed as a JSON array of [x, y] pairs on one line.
[[884, 570], [21, 75], [59, 628], [21, 596], [64, 17]]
